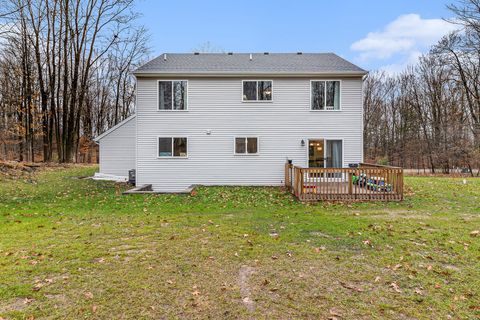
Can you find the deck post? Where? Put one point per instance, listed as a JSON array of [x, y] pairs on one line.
[[350, 182]]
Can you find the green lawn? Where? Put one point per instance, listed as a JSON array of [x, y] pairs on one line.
[[77, 249]]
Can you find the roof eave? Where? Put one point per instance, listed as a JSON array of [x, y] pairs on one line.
[[118, 125], [359, 73]]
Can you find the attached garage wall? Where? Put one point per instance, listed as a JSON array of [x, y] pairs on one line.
[[117, 149]]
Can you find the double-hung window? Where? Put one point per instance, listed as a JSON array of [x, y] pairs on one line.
[[172, 95], [260, 90], [172, 147], [325, 95], [246, 145]]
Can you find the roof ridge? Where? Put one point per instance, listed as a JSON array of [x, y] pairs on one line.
[[322, 63]]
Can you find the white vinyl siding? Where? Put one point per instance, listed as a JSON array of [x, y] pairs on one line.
[[214, 106], [117, 150]]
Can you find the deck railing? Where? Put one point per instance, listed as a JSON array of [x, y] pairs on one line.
[[367, 182]]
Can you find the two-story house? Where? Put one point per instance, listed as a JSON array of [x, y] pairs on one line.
[[236, 118]]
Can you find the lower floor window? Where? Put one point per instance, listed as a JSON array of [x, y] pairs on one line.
[[172, 147], [246, 145]]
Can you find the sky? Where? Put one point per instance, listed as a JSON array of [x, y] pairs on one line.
[[374, 34]]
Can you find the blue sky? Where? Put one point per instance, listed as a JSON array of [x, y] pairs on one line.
[[375, 34]]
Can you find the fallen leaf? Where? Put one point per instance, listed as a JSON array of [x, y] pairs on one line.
[[274, 257], [397, 266], [395, 287], [377, 278], [418, 291], [37, 286], [94, 308], [475, 233], [367, 242], [88, 295]]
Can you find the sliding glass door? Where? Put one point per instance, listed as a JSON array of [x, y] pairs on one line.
[[334, 154], [325, 153]]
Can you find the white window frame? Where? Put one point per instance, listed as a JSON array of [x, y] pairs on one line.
[[172, 156], [246, 146], [256, 101], [325, 95], [158, 94]]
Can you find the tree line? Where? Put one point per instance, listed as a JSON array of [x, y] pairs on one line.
[[65, 77], [428, 116], [65, 74]]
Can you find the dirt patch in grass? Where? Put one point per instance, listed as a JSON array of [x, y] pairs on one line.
[[243, 281], [17, 304]]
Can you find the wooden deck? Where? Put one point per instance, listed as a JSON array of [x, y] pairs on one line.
[[367, 182]]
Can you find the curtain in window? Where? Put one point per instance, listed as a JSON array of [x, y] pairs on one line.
[[336, 100], [334, 154]]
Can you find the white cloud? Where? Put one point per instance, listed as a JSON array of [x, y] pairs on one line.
[[397, 67], [406, 35]]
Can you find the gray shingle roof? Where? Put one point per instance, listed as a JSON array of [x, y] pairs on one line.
[[223, 63]]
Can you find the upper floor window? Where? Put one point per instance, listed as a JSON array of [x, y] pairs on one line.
[[325, 95], [172, 95], [246, 145], [257, 90]]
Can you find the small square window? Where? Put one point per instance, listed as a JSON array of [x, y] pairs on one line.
[[246, 145]]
